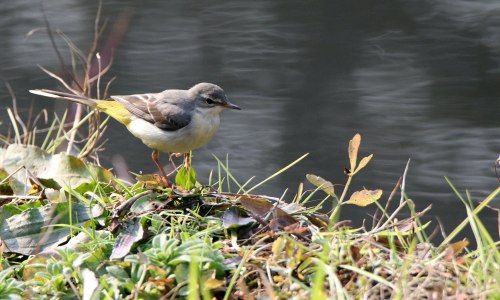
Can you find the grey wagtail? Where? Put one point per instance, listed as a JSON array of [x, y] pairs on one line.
[[173, 121]]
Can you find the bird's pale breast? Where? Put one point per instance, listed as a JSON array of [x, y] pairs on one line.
[[197, 133]]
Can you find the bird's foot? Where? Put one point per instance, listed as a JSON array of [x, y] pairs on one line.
[[164, 182], [163, 179]]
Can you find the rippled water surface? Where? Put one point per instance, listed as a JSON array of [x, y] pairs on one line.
[[418, 79]]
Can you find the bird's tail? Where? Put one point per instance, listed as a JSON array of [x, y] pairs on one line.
[[66, 96]]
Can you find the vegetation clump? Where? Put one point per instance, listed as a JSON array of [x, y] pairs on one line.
[[70, 229]]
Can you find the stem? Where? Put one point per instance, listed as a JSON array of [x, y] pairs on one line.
[[334, 217]]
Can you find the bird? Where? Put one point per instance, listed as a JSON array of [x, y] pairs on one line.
[[171, 121]]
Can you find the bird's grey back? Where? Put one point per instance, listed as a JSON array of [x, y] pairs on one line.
[[181, 98], [168, 110]]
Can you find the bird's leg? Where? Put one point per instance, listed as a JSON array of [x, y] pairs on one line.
[[187, 160], [157, 162]]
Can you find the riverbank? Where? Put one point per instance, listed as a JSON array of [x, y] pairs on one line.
[[83, 234]]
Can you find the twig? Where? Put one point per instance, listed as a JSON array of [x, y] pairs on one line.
[[403, 183], [53, 75], [14, 108], [72, 285], [389, 200]]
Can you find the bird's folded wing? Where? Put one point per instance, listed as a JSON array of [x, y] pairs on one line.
[[152, 108]]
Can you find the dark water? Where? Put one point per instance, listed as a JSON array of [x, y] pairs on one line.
[[418, 79]]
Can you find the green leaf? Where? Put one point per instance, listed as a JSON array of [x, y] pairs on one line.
[[9, 210], [186, 179], [118, 272], [5, 188], [181, 275]]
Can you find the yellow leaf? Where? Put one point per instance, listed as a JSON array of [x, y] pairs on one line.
[[353, 150], [364, 197], [212, 283], [148, 179], [459, 246], [300, 190], [323, 184], [278, 246], [363, 163]]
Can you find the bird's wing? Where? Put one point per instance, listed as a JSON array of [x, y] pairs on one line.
[[164, 113]]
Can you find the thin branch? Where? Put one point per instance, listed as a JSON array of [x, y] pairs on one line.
[[56, 49], [53, 75]]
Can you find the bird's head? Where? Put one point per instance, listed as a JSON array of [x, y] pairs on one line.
[[211, 96]]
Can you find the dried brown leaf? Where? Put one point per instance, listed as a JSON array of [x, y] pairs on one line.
[[260, 208]]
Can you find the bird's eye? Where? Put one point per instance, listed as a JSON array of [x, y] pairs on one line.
[[209, 101]]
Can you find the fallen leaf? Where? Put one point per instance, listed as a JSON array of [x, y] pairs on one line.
[[260, 208], [65, 170], [355, 253], [133, 233], [318, 220], [30, 231], [90, 284], [232, 218]]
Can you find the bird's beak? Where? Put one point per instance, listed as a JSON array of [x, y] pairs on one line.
[[232, 106]]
